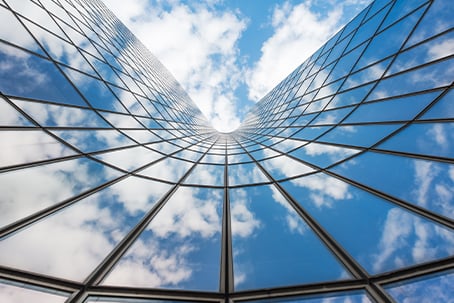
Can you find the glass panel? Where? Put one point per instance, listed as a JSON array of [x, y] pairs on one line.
[[35, 13], [359, 135], [121, 121], [29, 190], [310, 133], [368, 29], [435, 288], [323, 155], [345, 297], [389, 41], [189, 155], [18, 147], [94, 140], [103, 69], [398, 109], [164, 147], [122, 158], [265, 152], [331, 116], [272, 246], [247, 173], [59, 49], [349, 97], [345, 64], [366, 75], [415, 80], [285, 167], [39, 78], [169, 169], [22, 293], [10, 116], [71, 243], [180, 248], [13, 32], [206, 174], [62, 116], [126, 300], [214, 158], [380, 236], [424, 183], [434, 49], [442, 109], [434, 139], [129, 101], [142, 136], [238, 158], [437, 20], [94, 90], [400, 9]]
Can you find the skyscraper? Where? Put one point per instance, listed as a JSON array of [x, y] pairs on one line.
[[337, 187]]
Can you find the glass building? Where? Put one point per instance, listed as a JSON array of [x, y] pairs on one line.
[[337, 187]]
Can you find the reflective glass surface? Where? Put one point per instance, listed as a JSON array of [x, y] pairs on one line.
[[18, 293], [180, 248], [272, 245], [426, 289], [336, 187]]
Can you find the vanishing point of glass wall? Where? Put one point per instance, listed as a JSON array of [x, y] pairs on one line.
[[337, 187]]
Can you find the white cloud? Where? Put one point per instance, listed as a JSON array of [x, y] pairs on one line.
[[407, 239], [166, 252], [62, 180], [425, 172], [244, 223], [293, 220], [148, 264], [324, 190], [298, 31], [197, 44], [14, 294], [27, 146], [440, 50], [187, 215]]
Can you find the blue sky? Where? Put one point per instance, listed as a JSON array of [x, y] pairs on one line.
[[229, 54]]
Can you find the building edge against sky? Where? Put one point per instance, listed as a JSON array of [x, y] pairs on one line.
[[337, 187]]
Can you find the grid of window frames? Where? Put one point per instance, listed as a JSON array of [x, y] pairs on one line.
[[337, 187]]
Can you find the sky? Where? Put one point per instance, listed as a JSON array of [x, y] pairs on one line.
[[227, 54]]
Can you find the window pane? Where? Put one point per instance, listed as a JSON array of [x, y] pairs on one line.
[[272, 245], [180, 248], [71, 243], [379, 235], [20, 147]]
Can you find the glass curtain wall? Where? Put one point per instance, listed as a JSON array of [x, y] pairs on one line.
[[337, 187]]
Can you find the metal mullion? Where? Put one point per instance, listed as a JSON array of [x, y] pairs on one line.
[[38, 163], [416, 271], [154, 293], [378, 294], [226, 285], [299, 290], [39, 280], [412, 155], [100, 272]]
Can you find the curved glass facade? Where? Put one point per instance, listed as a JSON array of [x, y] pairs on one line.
[[337, 187]]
